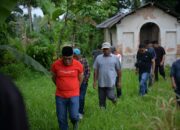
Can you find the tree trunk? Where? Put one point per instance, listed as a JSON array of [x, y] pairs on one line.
[[30, 17]]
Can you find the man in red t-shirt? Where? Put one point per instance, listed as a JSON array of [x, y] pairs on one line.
[[67, 75]]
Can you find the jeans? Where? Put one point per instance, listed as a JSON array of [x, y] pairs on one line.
[[82, 97], [65, 105], [143, 78]]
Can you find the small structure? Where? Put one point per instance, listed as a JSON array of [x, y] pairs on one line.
[[152, 22]]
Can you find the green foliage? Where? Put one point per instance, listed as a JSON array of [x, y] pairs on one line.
[[5, 8], [42, 51], [14, 70], [3, 35], [19, 56]]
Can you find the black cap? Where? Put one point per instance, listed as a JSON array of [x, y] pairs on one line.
[[67, 51]]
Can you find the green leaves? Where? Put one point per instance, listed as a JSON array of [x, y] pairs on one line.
[[56, 13], [25, 59], [5, 8]]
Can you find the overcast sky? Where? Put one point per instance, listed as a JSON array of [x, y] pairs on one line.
[[36, 11]]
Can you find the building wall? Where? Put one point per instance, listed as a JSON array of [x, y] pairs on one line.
[[128, 34], [114, 36]]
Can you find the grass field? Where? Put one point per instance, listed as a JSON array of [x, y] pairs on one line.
[[156, 111]]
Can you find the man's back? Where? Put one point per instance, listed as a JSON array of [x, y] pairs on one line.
[[160, 52]]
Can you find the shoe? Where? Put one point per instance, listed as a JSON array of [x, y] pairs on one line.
[[80, 116], [75, 126]]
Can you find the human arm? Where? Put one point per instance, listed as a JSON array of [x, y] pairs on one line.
[[173, 82], [54, 78], [53, 72], [119, 73], [172, 74], [162, 61], [80, 78], [137, 64], [95, 78], [153, 66], [163, 57]]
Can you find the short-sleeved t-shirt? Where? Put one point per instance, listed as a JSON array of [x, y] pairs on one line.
[[175, 72], [67, 82], [160, 52], [144, 61], [107, 67]]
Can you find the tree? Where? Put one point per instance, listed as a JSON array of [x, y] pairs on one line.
[[168, 3], [29, 4]]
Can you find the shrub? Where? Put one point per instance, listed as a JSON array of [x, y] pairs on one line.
[[13, 70], [42, 53]]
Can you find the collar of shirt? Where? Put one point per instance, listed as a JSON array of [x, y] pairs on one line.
[[108, 55]]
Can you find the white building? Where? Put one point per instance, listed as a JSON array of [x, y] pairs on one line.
[[149, 22]]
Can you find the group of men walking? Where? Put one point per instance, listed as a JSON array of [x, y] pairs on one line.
[[150, 62], [72, 71], [71, 74]]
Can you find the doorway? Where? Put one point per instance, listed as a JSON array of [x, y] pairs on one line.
[[149, 32]]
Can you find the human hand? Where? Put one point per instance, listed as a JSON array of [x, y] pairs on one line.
[[119, 85], [94, 85]]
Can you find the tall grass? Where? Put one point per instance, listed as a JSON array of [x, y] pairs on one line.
[[156, 111]]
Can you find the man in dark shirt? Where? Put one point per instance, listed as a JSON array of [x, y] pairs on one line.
[[160, 58], [175, 79], [143, 66]]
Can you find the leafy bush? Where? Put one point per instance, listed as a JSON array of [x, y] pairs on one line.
[[13, 70], [42, 53]]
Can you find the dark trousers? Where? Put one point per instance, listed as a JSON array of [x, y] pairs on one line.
[[118, 90], [160, 69], [106, 92], [177, 91], [82, 97]]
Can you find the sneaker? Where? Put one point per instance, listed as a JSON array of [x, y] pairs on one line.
[[80, 116]]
